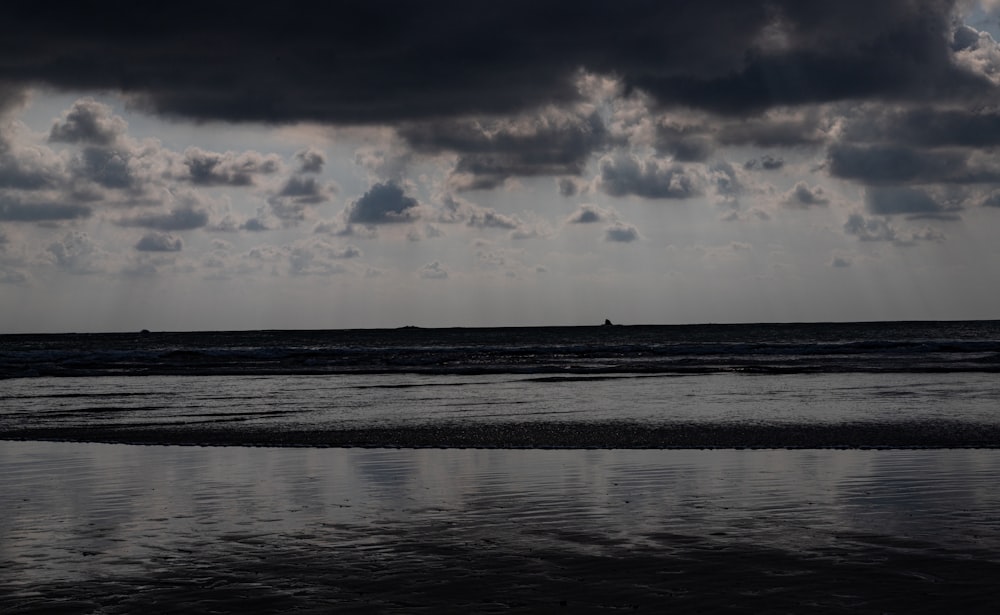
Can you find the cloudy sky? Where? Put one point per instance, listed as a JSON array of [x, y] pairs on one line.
[[440, 163]]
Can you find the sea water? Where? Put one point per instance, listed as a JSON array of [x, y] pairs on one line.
[[102, 528], [860, 384]]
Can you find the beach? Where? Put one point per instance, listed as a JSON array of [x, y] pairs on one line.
[[115, 528]]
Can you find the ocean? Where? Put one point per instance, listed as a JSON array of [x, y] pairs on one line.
[[899, 384], [714, 468]]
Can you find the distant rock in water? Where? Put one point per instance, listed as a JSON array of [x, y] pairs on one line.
[[608, 323]]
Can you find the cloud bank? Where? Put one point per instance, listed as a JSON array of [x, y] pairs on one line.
[[263, 64]]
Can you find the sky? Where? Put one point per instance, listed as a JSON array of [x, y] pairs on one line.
[[208, 166]]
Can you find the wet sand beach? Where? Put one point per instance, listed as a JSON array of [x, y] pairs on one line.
[[117, 528]]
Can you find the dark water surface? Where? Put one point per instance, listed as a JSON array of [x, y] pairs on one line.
[[120, 529], [917, 347], [921, 384]]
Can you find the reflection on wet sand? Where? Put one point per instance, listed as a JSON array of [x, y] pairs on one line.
[[116, 528]]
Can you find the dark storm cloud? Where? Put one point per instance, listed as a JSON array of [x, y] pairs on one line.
[[806, 78], [817, 52], [362, 61], [383, 204], [183, 219], [159, 242]]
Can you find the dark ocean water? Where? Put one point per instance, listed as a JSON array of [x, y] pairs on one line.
[[895, 384], [755, 348]]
